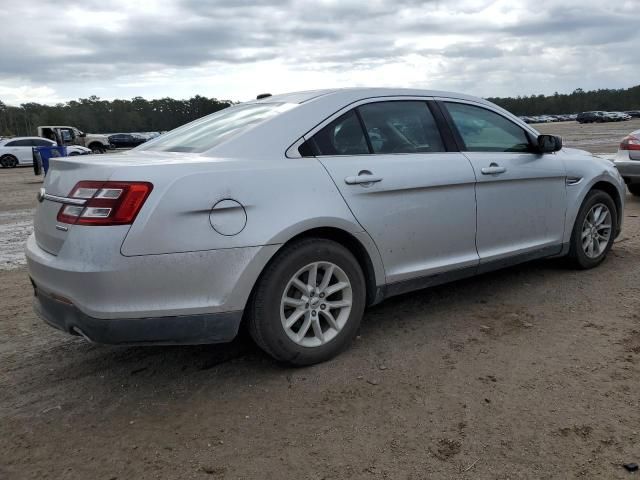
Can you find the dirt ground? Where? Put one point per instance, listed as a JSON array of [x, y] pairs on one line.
[[531, 372]]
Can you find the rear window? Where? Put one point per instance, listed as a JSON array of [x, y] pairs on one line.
[[207, 132]]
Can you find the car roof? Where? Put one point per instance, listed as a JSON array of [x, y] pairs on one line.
[[5, 140], [349, 95]]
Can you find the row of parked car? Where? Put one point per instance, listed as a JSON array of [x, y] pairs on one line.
[[599, 116], [16, 151], [596, 116]]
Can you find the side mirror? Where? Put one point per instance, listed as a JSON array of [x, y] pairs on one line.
[[82, 134], [549, 143]]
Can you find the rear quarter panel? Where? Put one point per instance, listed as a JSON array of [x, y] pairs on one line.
[[281, 198]]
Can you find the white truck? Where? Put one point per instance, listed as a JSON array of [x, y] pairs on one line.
[[72, 136]]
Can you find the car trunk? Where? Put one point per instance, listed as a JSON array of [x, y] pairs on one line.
[[65, 173], [62, 176]]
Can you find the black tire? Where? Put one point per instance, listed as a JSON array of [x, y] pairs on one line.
[[634, 189], [8, 161], [97, 148], [577, 257], [264, 321]]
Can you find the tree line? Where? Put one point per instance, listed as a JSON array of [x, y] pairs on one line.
[[574, 102], [103, 116], [139, 115]]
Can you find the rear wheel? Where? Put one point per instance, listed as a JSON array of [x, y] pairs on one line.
[[634, 189], [9, 161], [309, 302], [594, 230]]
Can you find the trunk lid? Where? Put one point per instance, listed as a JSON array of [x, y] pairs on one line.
[[64, 173], [62, 176]]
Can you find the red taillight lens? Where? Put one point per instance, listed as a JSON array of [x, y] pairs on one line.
[[630, 143], [108, 203]]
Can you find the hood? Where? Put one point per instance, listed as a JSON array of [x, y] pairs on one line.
[[600, 157]]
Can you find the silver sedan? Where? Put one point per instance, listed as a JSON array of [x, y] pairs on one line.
[[293, 213]]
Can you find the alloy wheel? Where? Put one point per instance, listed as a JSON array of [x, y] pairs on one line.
[[596, 230], [316, 304]]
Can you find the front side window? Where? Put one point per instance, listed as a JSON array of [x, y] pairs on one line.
[[401, 127], [207, 132], [343, 136], [485, 131]]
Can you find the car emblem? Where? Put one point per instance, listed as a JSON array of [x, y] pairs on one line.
[[41, 193]]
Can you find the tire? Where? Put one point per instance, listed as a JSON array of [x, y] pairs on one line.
[[9, 161], [97, 148], [579, 255], [634, 189], [268, 312]]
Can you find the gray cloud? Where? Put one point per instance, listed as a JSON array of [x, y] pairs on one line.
[[550, 43]]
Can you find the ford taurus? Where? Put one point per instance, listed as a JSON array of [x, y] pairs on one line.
[[293, 213]]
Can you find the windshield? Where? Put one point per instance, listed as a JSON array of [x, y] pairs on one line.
[[207, 132]]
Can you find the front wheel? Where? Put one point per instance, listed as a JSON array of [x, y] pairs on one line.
[[309, 302], [594, 230], [9, 161]]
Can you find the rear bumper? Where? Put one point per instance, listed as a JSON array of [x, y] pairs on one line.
[[629, 169], [184, 329]]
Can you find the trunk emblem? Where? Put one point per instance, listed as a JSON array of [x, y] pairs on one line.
[[41, 194]]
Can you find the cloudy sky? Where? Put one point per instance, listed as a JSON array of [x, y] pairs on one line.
[[56, 50]]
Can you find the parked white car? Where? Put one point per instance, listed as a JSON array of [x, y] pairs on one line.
[[628, 161], [19, 150]]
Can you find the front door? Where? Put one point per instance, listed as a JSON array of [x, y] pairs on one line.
[[414, 198], [521, 194]]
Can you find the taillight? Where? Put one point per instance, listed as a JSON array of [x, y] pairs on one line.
[[107, 203], [630, 143]]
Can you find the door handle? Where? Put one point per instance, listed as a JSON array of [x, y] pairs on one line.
[[493, 169], [364, 177]]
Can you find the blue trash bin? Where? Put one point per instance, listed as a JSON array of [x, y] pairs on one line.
[[41, 156]]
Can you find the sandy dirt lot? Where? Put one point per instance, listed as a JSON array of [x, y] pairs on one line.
[[531, 372]]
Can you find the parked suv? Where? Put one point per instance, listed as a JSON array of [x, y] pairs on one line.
[[591, 117], [295, 212]]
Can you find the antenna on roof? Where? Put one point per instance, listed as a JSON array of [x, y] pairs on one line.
[[263, 95]]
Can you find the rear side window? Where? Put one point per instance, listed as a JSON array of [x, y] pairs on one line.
[[401, 127], [343, 136], [485, 131], [20, 143], [207, 132]]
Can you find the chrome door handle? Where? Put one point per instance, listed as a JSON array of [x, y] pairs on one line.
[[364, 177], [493, 169]]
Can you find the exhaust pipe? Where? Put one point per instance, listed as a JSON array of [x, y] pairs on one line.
[[81, 333]]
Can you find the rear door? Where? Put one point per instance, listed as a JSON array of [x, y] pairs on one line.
[[411, 193], [521, 194]]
